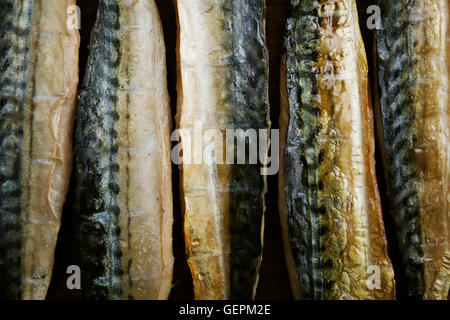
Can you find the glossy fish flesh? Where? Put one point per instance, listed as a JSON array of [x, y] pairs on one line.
[[223, 84], [330, 209]]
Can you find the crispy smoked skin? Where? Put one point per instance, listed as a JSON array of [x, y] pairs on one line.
[[122, 157], [329, 203], [38, 83], [413, 61], [222, 84]]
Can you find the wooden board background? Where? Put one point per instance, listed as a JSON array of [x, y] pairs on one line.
[[274, 282]]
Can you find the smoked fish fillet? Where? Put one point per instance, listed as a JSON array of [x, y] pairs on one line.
[[330, 210], [122, 157], [413, 67], [38, 87], [222, 85]]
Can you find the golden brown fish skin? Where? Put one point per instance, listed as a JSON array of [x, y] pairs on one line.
[[413, 61], [331, 204], [38, 94], [122, 154], [222, 84]]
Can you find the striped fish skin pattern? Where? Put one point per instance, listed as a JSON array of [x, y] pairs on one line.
[[223, 82], [122, 157], [330, 209], [38, 80], [413, 60]]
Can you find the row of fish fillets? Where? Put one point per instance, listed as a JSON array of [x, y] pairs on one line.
[[333, 232], [329, 204], [122, 167]]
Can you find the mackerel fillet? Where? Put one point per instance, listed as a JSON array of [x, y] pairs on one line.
[[413, 67], [122, 157], [223, 86], [330, 209], [38, 86]]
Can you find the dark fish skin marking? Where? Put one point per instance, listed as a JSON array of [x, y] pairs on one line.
[[95, 166], [38, 9], [396, 79], [14, 72], [248, 107], [302, 155], [130, 282], [114, 188]]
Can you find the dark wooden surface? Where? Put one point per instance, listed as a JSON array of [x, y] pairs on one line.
[[274, 283]]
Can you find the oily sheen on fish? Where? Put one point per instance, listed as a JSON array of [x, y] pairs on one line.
[[330, 209], [222, 84]]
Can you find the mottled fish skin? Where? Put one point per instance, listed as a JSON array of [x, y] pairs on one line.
[[95, 160], [413, 60], [38, 80], [14, 67], [330, 207], [223, 82], [122, 157]]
